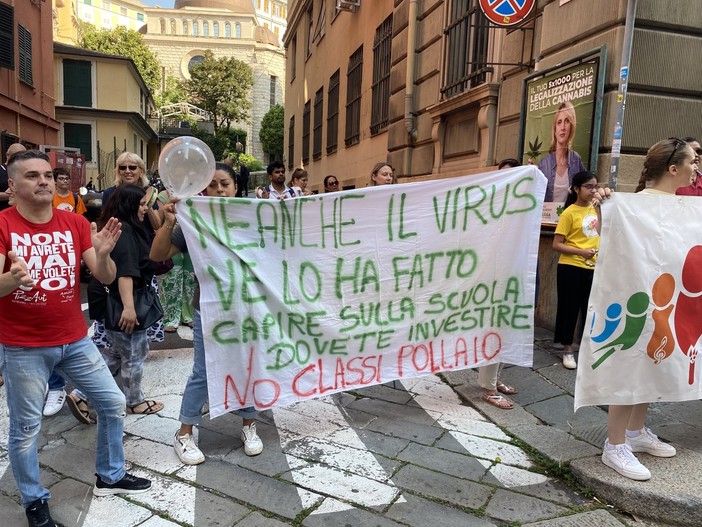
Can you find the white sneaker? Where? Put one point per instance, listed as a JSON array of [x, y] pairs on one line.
[[253, 445], [648, 442], [621, 459], [569, 361], [187, 450], [55, 400]]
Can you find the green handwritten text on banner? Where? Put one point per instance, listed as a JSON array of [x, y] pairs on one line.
[[310, 296]]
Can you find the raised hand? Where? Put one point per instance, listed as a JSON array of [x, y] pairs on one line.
[[169, 211], [105, 240]]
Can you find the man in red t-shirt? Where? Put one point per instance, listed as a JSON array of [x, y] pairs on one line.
[[42, 328]]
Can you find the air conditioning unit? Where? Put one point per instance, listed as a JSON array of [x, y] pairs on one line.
[[348, 5]]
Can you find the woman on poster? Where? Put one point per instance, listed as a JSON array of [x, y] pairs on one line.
[[562, 162]]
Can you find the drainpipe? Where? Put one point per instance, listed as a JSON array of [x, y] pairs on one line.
[[409, 82], [624, 75]]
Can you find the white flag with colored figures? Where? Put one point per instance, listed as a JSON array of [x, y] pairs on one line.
[[645, 312]]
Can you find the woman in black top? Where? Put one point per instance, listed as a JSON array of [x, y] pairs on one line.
[[129, 343]]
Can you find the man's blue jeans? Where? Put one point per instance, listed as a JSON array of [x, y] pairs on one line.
[[27, 371], [195, 393]]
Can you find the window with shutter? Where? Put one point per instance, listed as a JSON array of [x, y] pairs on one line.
[[353, 98], [77, 83], [7, 36], [306, 132], [24, 43], [79, 135]]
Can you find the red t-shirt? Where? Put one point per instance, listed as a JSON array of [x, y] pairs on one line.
[[50, 314], [693, 189]]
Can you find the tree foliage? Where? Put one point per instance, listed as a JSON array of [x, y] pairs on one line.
[[127, 43], [253, 164], [172, 93], [221, 86], [222, 142], [272, 131]]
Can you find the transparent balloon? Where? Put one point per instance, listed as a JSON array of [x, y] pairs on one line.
[[186, 166]]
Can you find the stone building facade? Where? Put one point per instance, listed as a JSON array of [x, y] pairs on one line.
[[432, 88], [180, 36]]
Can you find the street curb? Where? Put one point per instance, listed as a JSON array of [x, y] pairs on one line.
[[671, 496]]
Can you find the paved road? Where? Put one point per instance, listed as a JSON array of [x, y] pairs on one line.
[[407, 453]]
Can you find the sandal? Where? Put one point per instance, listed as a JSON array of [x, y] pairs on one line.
[[79, 409], [169, 329], [506, 388], [151, 407], [497, 400]]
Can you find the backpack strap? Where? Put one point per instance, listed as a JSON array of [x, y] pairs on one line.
[[75, 203]]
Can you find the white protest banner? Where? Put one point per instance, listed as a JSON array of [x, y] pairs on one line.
[[645, 309], [310, 296]]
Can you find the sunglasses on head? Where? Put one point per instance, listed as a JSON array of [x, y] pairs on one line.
[[678, 144], [130, 167]]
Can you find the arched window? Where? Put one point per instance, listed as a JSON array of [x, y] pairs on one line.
[[237, 30], [196, 28], [215, 29], [197, 59], [162, 23], [205, 29], [173, 26], [227, 30], [185, 27]]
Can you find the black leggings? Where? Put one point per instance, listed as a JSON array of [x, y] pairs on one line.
[[574, 284]]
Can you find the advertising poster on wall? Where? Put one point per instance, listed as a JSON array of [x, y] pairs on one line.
[[560, 123]]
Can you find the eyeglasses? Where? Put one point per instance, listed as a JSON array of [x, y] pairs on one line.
[[678, 143], [333, 184], [590, 186], [125, 167], [63, 178]]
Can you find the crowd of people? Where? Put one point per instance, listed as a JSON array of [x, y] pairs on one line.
[[137, 237]]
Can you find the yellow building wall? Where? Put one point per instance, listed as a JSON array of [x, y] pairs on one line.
[[64, 24], [116, 88]]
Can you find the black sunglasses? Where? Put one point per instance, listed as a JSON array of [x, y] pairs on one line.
[[678, 143], [332, 183], [130, 167]]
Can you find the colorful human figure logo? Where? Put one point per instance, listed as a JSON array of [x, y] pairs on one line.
[[613, 317], [686, 314], [662, 343], [635, 318]]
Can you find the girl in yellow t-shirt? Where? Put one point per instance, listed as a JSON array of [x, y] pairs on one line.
[[577, 238]]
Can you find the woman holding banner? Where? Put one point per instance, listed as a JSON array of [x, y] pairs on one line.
[[562, 162], [489, 376], [382, 174], [169, 240], [669, 165]]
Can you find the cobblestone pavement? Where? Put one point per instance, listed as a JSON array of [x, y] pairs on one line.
[[407, 453]]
